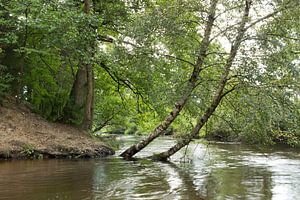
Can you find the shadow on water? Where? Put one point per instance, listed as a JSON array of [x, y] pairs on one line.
[[45, 179], [217, 171]]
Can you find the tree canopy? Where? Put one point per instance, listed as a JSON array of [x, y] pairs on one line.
[[197, 67]]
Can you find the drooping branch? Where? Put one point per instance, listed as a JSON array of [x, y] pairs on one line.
[[104, 38], [180, 59], [228, 91], [125, 82], [103, 124], [227, 121]]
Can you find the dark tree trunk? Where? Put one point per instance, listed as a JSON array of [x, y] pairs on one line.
[[82, 94], [105, 123], [131, 151], [79, 90], [89, 104], [219, 94], [87, 6]]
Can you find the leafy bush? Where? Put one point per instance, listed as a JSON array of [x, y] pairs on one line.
[[27, 149]]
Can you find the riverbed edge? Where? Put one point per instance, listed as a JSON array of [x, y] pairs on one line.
[[26, 135]]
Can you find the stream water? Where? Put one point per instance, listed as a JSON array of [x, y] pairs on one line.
[[215, 171]]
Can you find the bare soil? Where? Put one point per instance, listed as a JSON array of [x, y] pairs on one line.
[[27, 135]]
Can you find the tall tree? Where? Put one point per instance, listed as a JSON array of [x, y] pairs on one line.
[[82, 94]]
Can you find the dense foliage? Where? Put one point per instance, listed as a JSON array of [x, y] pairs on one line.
[[140, 55]]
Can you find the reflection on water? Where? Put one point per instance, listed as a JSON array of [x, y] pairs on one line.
[[49, 179], [217, 171]]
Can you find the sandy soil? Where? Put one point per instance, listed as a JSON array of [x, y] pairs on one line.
[[27, 135]]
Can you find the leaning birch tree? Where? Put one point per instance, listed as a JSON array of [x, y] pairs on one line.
[[219, 93], [190, 86]]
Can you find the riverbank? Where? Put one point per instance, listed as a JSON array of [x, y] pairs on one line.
[[27, 135]]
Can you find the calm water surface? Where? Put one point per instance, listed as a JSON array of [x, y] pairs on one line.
[[217, 171]]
